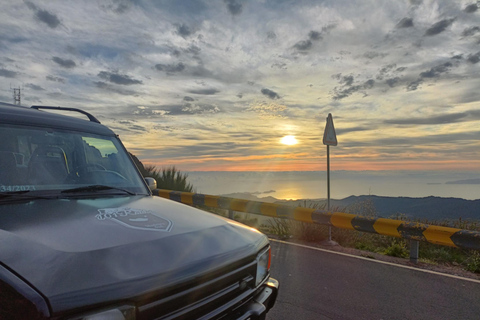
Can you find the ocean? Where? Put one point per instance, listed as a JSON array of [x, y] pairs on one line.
[[313, 184]]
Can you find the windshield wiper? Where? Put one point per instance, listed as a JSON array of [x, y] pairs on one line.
[[95, 188], [22, 195]]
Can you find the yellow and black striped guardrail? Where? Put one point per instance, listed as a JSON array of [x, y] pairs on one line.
[[446, 236]]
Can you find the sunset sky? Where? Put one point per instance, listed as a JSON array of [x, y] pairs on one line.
[[215, 85]]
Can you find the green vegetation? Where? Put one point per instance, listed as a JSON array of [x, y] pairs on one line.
[[167, 178]]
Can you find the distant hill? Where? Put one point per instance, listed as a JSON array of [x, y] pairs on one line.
[[431, 208]]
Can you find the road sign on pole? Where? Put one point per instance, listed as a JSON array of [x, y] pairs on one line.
[[329, 136], [329, 139]]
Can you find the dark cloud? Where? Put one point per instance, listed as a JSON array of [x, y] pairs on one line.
[[457, 57], [107, 87], [207, 92], [315, 35], [234, 6], [65, 63], [340, 93], [474, 58], [472, 115], [436, 71], [303, 45], [269, 93], [412, 86], [471, 8], [439, 27], [369, 84], [55, 79], [34, 87], [187, 98], [44, 16], [348, 88], [183, 30], [279, 65], [470, 31], [271, 35], [8, 73], [372, 55], [170, 68], [345, 80], [118, 78], [392, 82], [405, 23]]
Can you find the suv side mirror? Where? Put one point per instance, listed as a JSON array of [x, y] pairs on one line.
[[151, 182]]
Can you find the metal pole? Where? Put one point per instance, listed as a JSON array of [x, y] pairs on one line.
[[328, 190], [414, 249]]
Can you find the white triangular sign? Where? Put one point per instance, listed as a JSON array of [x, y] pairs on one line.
[[329, 136]]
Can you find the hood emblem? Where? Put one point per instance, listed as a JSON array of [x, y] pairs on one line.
[[135, 218]]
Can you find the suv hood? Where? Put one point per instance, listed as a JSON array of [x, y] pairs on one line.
[[76, 252]]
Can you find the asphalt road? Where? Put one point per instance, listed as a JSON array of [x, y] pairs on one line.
[[320, 285]]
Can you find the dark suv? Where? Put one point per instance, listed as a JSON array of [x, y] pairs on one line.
[[82, 237]]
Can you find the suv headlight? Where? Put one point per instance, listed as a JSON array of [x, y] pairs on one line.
[[263, 265], [120, 313]]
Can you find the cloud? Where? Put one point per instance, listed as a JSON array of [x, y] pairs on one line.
[[65, 63], [183, 30], [436, 71], [412, 86], [471, 8], [190, 108], [170, 68], [474, 58], [55, 79], [315, 35], [472, 115], [118, 6], [34, 87], [110, 88], [470, 31], [392, 82], [187, 98], [207, 92], [269, 93], [405, 23], [439, 27], [303, 45], [8, 73], [118, 78], [234, 6], [348, 88], [44, 16], [372, 55]]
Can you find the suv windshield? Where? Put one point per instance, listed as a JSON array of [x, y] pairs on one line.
[[36, 159]]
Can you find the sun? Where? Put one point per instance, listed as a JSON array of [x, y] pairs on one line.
[[289, 140]]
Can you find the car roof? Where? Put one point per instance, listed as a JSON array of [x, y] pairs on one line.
[[21, 115]]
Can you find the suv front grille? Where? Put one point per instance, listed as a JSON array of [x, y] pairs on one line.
[[206, 300]]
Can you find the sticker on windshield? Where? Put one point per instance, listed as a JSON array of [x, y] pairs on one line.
[[135, 218]]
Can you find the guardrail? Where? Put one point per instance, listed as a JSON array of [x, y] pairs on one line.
[[446, 236]]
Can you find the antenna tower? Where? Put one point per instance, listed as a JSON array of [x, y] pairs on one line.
[[16, 96]]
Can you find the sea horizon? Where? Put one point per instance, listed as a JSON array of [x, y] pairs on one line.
[[293, 185]]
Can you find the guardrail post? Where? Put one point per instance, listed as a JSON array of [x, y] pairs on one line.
[[230, 214], [414, 248]]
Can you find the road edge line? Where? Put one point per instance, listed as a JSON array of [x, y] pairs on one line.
[[377, 261]]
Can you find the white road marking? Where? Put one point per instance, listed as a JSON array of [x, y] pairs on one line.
[[377, 261]]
